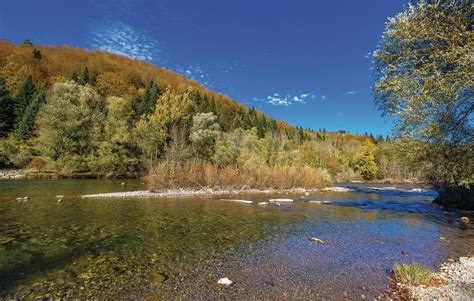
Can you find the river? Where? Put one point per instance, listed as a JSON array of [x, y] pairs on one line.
[[164, 248]]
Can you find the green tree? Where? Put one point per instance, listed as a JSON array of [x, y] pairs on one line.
[[70, 127], [203, 134], [148, 100], [113, 154], [25, 126], [7, 109], [37, 54], [424, 66], [27, 42], [74, 76], [24, 97], [85, 77]]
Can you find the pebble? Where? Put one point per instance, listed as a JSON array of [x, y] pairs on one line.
[[465, 220], [225, 281]]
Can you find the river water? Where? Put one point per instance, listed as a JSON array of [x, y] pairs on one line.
[[179, 247]]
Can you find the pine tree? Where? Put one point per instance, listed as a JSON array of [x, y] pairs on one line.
[[37, 54], [24, 97], [7, 109], [301, 134], [74, 76], [148, 100], [27, 42], [84, 77], [25, 126]]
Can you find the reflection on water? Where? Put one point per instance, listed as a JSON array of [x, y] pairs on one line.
[[180, 247]]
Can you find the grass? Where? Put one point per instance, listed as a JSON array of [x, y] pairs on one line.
[[413, 274]]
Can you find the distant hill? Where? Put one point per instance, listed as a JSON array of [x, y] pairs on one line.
[[113, 75]]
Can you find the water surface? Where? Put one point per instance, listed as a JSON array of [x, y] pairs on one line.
[[180, 247]]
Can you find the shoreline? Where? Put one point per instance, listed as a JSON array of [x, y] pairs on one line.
[[457, 283]]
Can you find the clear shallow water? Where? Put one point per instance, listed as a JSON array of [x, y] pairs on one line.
[[180, 247]]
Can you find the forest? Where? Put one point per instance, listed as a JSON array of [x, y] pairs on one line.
[[68, 112]]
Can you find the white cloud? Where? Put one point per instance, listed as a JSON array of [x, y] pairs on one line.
[[124, 39], [350, 93], [277, 99], [196, 73], [324, 97]]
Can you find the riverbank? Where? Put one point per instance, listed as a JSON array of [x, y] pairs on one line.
[[455, 281]]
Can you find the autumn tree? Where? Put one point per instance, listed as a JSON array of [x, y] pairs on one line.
[[424, 66], [153, 133], [365, 163]]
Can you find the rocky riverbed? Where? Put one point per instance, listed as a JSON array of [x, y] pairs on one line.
[[457, 280]]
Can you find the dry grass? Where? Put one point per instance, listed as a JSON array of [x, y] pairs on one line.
[[194, 175]]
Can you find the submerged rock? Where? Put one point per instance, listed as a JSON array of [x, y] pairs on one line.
[[157, 278], [281, 200], [225, 281], [316, 240]]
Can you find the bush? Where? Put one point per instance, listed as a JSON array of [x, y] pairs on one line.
[[198, 175]]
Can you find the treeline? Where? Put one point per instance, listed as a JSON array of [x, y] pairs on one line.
[[67, 112]]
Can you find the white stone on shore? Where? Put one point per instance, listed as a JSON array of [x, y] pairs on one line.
[[316, 202], [281, 200], [337, 189], [225, 281], [263, 203], [238, 201]]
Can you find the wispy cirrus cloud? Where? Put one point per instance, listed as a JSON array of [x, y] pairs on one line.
[[196, 73], [124, 39], [350, 93], [278, 99]]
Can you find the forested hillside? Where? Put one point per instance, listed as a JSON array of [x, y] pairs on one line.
[[69, 112]]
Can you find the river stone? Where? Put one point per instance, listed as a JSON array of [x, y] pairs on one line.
[[157, 278], [316, 240]]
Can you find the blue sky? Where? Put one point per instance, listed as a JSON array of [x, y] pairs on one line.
[[302, 61]]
